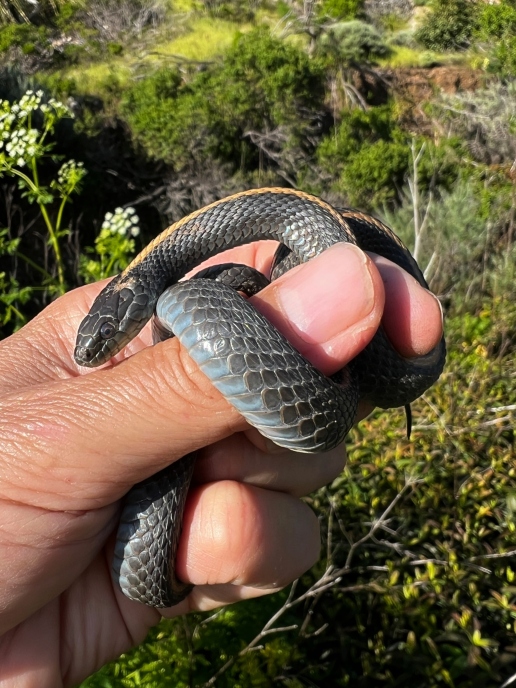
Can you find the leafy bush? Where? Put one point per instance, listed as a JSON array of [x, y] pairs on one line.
[[374, 175], [340, 9], [352, 41], [18, 35], [262, 84], [366, 156], [450, 26], [496, 21], [496, 29], [405, 38], [356, 127]]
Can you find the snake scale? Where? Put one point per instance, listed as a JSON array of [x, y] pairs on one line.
[[255, 367]]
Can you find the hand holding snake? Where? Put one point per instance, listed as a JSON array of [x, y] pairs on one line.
[[73, 445]]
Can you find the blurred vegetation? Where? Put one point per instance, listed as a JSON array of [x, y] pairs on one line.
[[450, 25], [138, 104]]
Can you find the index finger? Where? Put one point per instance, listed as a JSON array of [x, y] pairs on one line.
[[43, 349]]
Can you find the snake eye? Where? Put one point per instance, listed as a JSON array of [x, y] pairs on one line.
[[107, 330]]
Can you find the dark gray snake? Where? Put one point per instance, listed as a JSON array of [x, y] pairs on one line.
[[256, 368]]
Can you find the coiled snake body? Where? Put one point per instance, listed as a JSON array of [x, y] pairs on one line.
[[254, 366]]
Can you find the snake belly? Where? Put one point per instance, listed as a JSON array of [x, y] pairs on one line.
[[275, 388]]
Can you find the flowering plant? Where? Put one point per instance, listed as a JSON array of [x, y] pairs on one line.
[[26, 129], [114, 246], [22, 146]]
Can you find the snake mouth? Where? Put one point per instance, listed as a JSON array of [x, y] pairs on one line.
[[91, 354], [85, 354]]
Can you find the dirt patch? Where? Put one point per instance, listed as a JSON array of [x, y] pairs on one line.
[[414, 86], [417, 83]]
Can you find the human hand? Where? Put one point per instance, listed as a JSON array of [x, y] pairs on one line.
[[74, 441]]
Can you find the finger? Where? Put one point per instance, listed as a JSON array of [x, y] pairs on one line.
[[43, 349], [240, 541], [412, 317], [238, 459], [259, 255], [328, 308], [338, 316]]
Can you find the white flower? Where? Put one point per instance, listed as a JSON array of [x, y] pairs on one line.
[[123, 221]]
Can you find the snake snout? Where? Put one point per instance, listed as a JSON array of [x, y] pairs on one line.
[[83, 355]]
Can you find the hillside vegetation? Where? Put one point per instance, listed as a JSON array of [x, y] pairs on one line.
[[121, 116]]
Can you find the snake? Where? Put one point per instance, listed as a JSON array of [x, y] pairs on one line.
[[255, 367]]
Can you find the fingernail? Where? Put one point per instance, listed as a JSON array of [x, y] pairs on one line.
[[329, 294], [440, 308]]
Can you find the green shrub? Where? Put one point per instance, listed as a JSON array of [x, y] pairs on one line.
[[450, 26], [340, 9], [150, 108], [69, 14], [496, 21], [61, 87], [405, 38], [366, 156], [373, 176], [356, 127], [16, 35], [496, 29], [115, 48], [263, 83], [505, 57], [352, 41]]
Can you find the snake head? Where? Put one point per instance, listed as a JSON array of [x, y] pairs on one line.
[[117, 315]]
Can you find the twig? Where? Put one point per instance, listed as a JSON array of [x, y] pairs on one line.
[[496, 555], [376, 524]]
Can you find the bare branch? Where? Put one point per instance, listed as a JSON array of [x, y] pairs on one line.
[[496, 555]]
